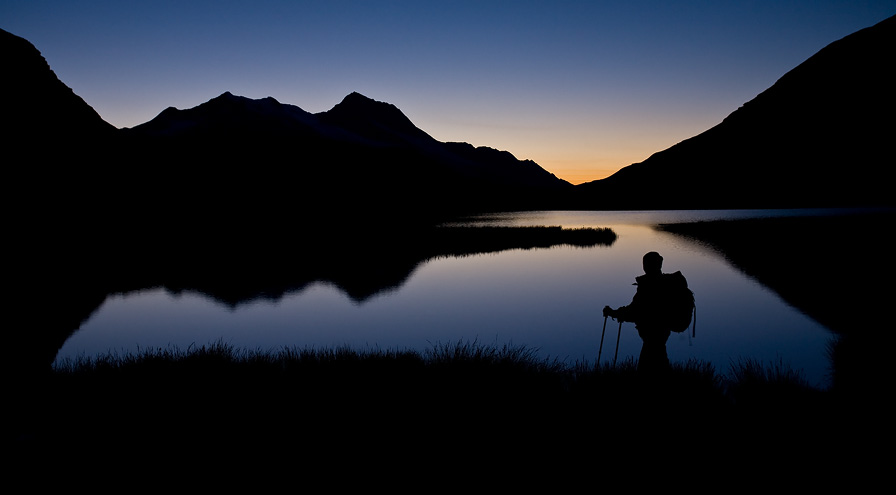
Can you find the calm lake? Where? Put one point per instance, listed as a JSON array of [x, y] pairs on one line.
[[547, 299]]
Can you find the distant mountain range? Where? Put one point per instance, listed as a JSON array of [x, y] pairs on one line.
[[361, 153], [820, 136]]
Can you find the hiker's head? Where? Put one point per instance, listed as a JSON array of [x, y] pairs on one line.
[[653, 263]]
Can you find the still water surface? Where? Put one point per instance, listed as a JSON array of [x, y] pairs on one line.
[[546, 299]]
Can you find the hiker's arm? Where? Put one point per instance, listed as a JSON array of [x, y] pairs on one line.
[[630, 312], [622, 314]]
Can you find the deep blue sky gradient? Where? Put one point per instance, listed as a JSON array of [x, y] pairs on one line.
[[582, 88]]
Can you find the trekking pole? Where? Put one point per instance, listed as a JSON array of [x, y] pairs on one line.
[[617, 343], [601, 349], [694, 329]]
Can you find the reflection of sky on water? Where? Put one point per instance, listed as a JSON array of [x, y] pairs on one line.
[[550, 299]]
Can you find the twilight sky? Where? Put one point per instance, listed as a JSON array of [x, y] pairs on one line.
[[582, 88]]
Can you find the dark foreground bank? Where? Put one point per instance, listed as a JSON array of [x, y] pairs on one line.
[[458, 395]]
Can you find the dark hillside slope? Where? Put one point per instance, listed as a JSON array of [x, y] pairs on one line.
[[52, 140], [820, 136], [36, 104], [54, 151]]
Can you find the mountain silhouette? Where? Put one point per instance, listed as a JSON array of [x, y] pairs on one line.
[[54, 150], [361, 153], [816, 137], [37, 105], [377, 123], [820, 136], [239, 163]]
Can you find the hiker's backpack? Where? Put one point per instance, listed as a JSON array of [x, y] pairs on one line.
[[681, 309]]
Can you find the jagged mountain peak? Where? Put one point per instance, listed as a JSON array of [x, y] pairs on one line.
[[373, 119], [229, 111], [357, 106], [357, 100], [229, 99]]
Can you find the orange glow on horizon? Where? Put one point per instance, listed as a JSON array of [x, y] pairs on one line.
[[580, 173], [577, 177]]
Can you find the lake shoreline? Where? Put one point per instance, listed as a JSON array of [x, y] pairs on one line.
[[816, 264]]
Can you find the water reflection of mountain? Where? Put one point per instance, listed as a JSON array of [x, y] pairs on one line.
[[362, 262]]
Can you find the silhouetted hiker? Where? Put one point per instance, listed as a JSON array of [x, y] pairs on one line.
[[656, 310]]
